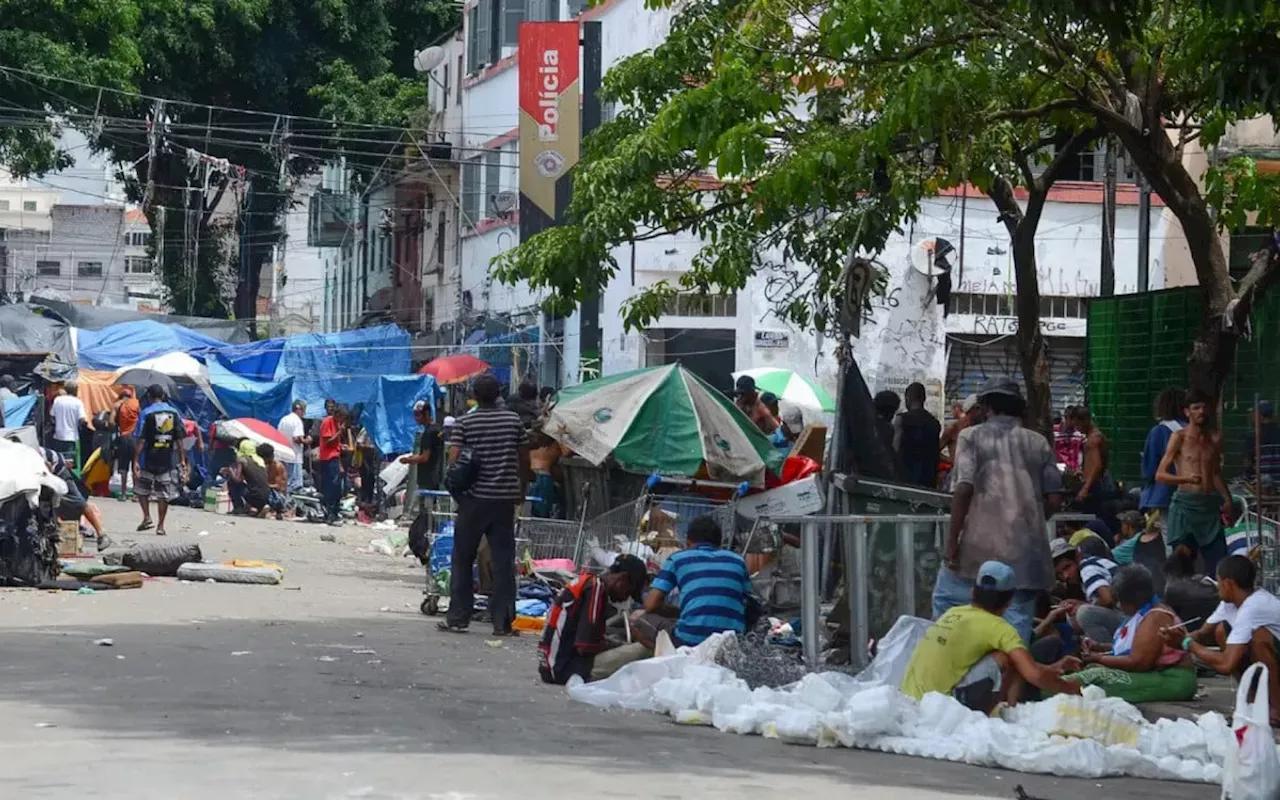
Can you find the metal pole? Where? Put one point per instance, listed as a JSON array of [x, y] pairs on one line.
[[1109, 221], [1144, 233], [856, 583], [809, 587], [592, 74], [906, 558]]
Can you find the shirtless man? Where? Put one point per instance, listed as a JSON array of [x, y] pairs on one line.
[[544, 458], [1202, 497], [1097, 454]]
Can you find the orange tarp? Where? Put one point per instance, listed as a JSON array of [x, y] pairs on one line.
[[97, 391]]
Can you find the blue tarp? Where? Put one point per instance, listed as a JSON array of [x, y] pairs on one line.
[[127, 343], [268, 401], [391, 422], [343, 366], [256, 360], [17, 410]]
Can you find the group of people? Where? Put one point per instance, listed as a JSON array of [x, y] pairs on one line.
[[1125, 608]]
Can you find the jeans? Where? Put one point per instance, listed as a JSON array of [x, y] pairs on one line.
[[294, 471], [1098, 623], [331, 486], [951, 590], [1213, 552], [237, 490], [494, 520]]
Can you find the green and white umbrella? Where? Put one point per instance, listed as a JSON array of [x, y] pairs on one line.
[[661, 419], [791, 387]]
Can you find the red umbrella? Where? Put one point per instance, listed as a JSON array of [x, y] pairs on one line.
[[454, 369], [261, 433]]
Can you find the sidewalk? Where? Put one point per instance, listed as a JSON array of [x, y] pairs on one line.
[[1221, 697]]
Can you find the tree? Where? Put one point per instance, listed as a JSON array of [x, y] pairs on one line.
[[233, 73]]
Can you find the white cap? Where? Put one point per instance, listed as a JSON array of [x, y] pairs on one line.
[[969, 403], [450, 421]]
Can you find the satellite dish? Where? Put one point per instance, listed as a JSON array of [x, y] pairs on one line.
[[428, 59], [932, 257], [503, 202]]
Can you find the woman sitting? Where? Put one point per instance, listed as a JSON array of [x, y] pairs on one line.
[[1138, 666], [247, 481]]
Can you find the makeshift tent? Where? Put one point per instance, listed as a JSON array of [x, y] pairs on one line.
[[254, 360], [343, 366], [268, 401], [128, 343], [17, 410], [98, 390], [24, 332], [95, 318], [390, 422]]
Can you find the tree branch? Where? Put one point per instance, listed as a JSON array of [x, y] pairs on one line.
[[1036, 112], [1264, 274]]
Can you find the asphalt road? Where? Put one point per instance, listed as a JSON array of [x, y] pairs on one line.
[[334, 686]]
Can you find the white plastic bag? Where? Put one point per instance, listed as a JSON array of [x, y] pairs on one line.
[[1252, 768]]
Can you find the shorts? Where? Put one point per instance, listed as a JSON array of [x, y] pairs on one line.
[[653, 624], [73, 502], [126, 448], [980, 687], [159, 486]]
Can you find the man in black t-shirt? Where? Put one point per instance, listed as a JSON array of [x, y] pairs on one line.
[[159, 460], [916, 439]]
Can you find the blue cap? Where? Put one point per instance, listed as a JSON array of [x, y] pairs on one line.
[[996, 575]]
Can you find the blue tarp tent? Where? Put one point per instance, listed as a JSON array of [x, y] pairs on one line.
[[391, 422], [268, 401], [256, 360], [343, 366], [126, 343], [17, 411]]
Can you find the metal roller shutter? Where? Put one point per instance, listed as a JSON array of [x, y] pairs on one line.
[[973, 359]]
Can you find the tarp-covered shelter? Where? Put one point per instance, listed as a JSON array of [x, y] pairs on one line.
[[256, 361], [343, 366], [95, 318], [127, 343]]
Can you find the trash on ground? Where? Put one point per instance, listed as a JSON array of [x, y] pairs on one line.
[[104, 642], [259, 572], [242, 652], [365, 652]]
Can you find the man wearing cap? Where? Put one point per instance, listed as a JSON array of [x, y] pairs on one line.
[[974, 655], [747, 398], [1084, 571], [427, 448], [574, 641], [1005, 479]]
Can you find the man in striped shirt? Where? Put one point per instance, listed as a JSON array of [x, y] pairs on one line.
[[499, 444], [1097, 616], [714, 586]]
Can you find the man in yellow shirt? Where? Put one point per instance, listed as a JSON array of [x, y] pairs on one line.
[[973, 654]]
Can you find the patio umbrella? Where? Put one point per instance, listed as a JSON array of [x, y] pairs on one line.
[[261, 433], [180, 368], [665, 420], [452, 369], [791, 387], [145, 379]]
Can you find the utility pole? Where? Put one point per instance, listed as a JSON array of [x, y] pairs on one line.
[[1144, 233], [277, 268], [1108, 287], [592, 74]]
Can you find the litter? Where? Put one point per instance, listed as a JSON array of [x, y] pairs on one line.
[[327, 659], [494, 642], [46, 725], [104, 642], [86, 590], [202, 533], [257, 572], [242, 652], [365, 652]]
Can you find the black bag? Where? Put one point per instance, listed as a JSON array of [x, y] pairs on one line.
[[461, 475], [419, 541]]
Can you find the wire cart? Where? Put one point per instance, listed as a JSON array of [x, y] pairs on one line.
[[537, 539]]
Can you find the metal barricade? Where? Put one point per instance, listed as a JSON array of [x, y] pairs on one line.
[[854, 532], [629, 521]]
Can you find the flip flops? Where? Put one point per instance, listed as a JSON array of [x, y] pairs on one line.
[[145, 525]]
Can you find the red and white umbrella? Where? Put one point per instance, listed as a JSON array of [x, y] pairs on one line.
[[457, 368], [261, 433]]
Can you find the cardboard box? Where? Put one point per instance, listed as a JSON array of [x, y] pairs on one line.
[[792, 499], [69, 538], [217, 500]]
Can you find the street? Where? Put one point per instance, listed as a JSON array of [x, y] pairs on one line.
[[334, 685]]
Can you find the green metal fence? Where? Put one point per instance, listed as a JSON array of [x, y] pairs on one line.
[[1138, 345]]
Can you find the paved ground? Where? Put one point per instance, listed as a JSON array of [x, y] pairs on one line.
[[255, 691]]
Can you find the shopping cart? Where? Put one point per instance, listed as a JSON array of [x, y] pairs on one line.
[[537, 539], [662, 513]]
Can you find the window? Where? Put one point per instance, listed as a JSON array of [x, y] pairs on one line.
[[89, 269], [137, 265], [513, 13], [471, 193], [712, 305], [138, 238], [49, 268], [458, 83], [999, 305], [492, 179], [483, 33], [441, 223], [444, 89], [576, 7], [28, 205], [473, 39], [4, 205]]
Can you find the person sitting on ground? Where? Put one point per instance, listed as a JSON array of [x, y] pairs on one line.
[[247, 481], [1137, 665], [1096, 616], [1142, 542], [714, 587], [277, 480], [1193, 597], [574, 641], [74, 504], [973, 654], [1245, 628]]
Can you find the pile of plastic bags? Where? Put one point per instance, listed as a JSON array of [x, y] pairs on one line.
[[1090, 736]]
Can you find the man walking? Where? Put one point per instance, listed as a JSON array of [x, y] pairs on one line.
[[160, 458], [498, 445], [68, 412], [295, 430], [916, 438], [1006, 478], [1202, 497], [127, 412], [332, 433]]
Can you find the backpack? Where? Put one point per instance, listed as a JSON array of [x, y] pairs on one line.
[[461, 475]]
